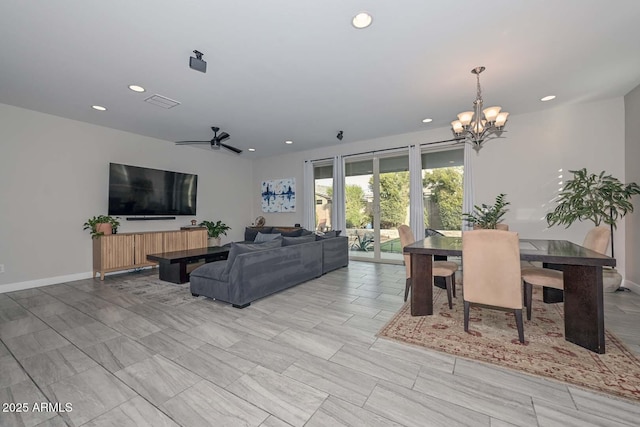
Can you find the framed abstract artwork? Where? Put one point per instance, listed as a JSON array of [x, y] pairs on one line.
[[279, 195]]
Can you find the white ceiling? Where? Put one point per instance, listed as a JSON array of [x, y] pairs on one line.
[[298, 70]]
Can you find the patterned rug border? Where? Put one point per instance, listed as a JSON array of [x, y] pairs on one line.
[[610, 339]]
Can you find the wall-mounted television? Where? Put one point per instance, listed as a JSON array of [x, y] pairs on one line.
[[135, 190]]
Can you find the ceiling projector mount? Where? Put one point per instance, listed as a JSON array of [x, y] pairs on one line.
[[216, 142]]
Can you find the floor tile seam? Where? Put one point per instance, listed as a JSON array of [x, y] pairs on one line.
[[89, 314], [128, 400], [367, 373], [135, 378], [253, 404], [34, 382], [428, 398], [557, 407], [524, 396], [101, 365], [162, 331], [563, 386], [586, 410]]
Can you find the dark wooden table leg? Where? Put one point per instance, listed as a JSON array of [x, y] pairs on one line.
[[584, 307], [421, 285], [174, 273]]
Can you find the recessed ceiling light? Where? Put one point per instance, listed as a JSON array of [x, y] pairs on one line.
[[427, 120], [362, 20], [548, 98], [252, 149], [136, 88], [288, 142], [99, 107]]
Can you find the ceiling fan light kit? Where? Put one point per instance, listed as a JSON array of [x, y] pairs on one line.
[[472, 128]]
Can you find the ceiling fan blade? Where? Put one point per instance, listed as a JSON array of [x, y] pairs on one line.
[[223, 137], [234, 149], [192, 142]]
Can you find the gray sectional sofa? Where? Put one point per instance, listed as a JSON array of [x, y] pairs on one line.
[[255, 270]]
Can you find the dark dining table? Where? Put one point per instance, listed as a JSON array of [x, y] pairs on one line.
[[582, 268]]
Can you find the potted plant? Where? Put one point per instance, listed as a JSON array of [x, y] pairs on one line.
[[487, 216], [215, 230], [598, 198], [101, 225]]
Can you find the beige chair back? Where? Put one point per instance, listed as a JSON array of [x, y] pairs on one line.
[[491, 273], [597, 239], [406, 238]]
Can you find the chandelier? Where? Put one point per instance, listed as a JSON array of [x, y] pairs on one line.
[[479, 125]]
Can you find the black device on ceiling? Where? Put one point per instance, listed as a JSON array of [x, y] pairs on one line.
[[198, 63], [135, 190], [216, 142]]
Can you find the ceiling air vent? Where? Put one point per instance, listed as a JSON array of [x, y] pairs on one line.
[[161, 101]]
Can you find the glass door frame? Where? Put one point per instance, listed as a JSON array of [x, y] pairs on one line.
[[375, 159]]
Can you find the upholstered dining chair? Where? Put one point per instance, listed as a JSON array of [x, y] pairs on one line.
[[491, 273], [597, 239], [444, 269]]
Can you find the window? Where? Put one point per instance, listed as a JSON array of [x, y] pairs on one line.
[[323, 185], [442, 180]]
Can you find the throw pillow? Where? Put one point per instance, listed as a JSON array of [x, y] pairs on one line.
[[290, 241], [306, 232], [243, 248], [261, 237], [250, 233], [288, 233]]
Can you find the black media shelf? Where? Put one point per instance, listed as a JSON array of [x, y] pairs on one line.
[[149, 218]]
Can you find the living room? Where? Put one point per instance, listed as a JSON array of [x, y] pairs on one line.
[[55, 168]]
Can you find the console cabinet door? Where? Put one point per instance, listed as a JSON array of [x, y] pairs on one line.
[[147, 243], [116, 251], [174, 241], [197, 239]]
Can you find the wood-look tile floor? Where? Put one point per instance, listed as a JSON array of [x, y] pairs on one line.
[[307, 356]]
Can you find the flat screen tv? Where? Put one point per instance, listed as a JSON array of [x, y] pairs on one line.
[[135, 190]]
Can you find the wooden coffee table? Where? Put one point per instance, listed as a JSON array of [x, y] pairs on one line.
[[174, 265]]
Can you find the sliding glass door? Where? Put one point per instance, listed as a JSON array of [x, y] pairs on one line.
[[376, 199], [323, 185], [442, 177], [377, 202]]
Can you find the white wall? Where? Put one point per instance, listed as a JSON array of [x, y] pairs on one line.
[[632, 147], [525, 164], [54, 175]]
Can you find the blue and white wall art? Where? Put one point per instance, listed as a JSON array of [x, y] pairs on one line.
[[279, 195]]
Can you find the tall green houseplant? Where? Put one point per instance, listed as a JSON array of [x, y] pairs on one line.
[[487, 216], [598, 198]]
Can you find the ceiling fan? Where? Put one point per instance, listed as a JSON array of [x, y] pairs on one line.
[[216, 142]]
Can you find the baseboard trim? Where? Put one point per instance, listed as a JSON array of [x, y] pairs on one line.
[[20, 286], [633, 287]]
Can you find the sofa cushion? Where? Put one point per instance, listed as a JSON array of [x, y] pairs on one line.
[[250, 233], [243, 248], [262, 237], [306, 232], [288, 233], [212, 270], [289, 241]]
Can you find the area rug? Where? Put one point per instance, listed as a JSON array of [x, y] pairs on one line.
[[493, 338], [148, 286]]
